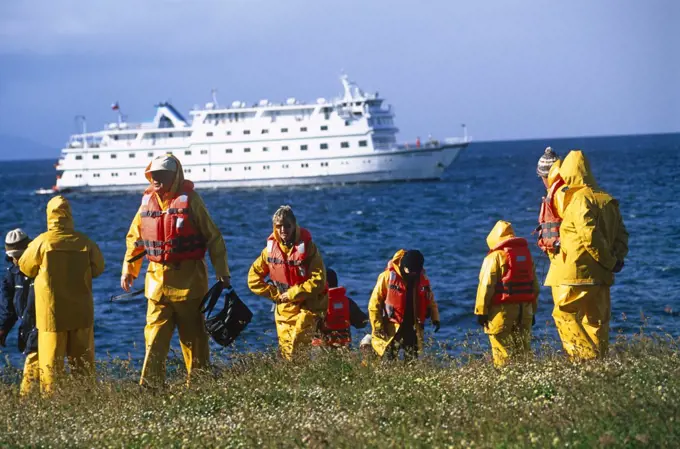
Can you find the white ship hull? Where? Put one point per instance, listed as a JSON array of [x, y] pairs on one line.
[[405, 165]]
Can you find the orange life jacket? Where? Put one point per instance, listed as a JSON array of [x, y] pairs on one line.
[[287, 270], [517, 285], [549, 221], [169, 236], [395, 303], [336, 329]]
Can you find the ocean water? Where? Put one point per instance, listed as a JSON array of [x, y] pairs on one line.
[[359, 227]]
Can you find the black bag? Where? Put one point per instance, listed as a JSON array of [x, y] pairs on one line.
[[225, 326]]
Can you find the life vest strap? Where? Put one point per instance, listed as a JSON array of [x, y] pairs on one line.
[[178, 245], [153, 243], [281, 286], [178, 210], [137, 257], [151, 213], [290, 263], [514, 288]]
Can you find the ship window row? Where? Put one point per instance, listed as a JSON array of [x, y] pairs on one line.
[[266, 131], [384, 121], [305, 147], [166, 135], [123, 136], [79, 157], [268, 167], [229, 116], [227, 169]]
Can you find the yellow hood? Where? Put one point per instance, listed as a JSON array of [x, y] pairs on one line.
[[554, 172], [500, 232], [396, 261], [575, 170], [59, 216], [179, 175]]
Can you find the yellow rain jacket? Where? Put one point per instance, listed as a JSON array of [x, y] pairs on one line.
[[63, 262], [502, 317], [593, 236], [384, 330], [297, 318], [189, 278]]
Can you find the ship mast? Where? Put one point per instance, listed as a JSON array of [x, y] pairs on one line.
[[83, 121]]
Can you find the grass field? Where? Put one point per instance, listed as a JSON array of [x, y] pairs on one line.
[[631, 399]]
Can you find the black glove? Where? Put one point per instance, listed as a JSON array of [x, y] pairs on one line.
[[618, 266], [436, 325], [483, 320], [533, 320]]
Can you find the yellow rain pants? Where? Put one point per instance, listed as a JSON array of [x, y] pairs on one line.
[[295, 331], [77, 345], [162, 317], [509, 332], [31, 378], [582, 317]]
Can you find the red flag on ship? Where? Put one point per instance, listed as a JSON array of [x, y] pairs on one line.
[[115, 106]]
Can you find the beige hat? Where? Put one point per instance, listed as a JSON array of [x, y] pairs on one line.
[[16, 242], [165, 162]]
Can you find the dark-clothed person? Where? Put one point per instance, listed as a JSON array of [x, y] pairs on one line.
[[401, 301], [17, 303]]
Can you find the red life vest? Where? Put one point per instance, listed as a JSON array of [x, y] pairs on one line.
[[549, 221], [287, 270], [517, 285], [336, 330], [169, 236], [395, 303]]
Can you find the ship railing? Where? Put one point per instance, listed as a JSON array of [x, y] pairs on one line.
[[166, 140], [432, 143], [457, 140], [79, 144], [122, 126]]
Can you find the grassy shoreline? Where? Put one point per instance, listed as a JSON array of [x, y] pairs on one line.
[[631, 399]]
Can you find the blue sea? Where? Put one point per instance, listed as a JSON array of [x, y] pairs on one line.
[[359, 227]]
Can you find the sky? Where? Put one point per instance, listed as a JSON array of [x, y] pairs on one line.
[[508, 69]]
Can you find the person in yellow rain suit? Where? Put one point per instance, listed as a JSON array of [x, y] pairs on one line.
[[594, 244], [507, 295], [401, 301], [63, 262], [173, 229], [297, 284]]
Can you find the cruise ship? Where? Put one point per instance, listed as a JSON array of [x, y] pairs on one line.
[[349, 139]]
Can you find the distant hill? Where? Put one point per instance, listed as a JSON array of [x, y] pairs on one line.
[[15, 147]]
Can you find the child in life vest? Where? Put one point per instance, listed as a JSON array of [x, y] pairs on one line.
[[507, 295], [342, 313]]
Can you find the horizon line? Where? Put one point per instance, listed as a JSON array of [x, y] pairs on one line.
[[586, 136]]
